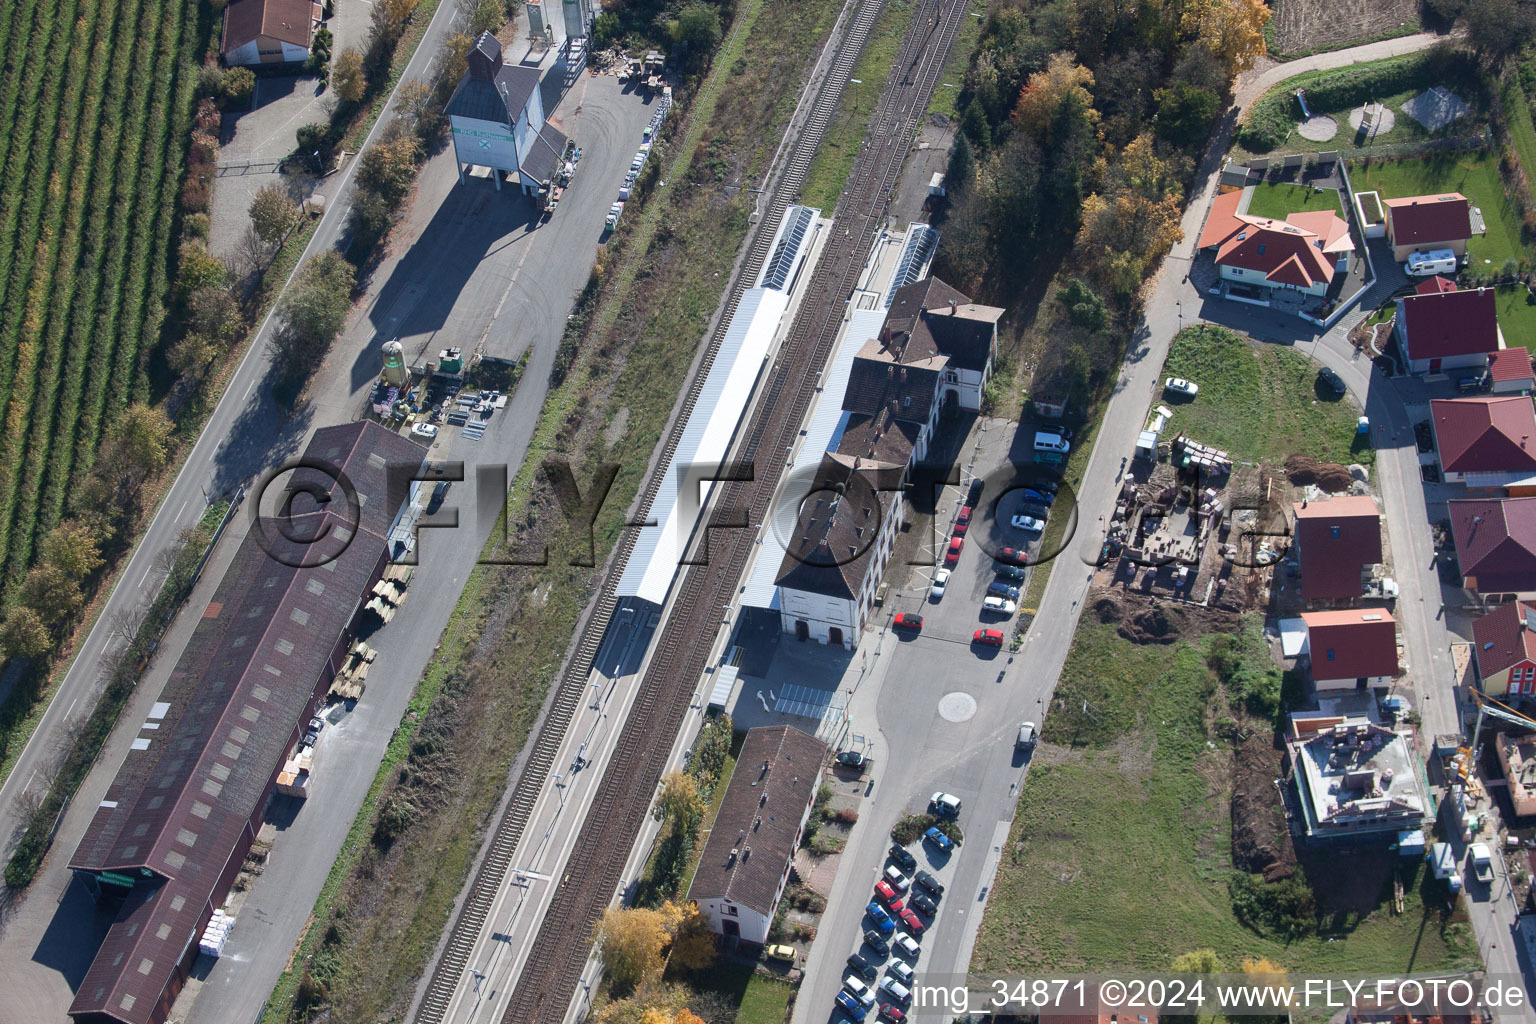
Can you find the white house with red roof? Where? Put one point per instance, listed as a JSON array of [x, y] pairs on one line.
[[1352, 647], [1441, 330], [1487, 443], [1303, 252], [1422, 223], [1504, 644]]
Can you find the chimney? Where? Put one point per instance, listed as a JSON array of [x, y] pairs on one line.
[[951, 307]]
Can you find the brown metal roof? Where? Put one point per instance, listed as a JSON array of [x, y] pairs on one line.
[[290, 21], [839, 524], [1352, 643], [1336, 539], [758, 826], [1488, 434], [1424, 220], [1438, 325], [1495, 543], [231, 710]]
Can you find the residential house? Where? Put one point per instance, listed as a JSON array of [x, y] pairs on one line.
[[751, 847], [1440, 330], [1355, 779], [1337, 542], [1350, 648], [1487, 443], [1504, 645], [1496, 547], [942, 320], [269, 31], [1303, 252], [842, 542], [1422, 223], [497, 117], [1509, 372]]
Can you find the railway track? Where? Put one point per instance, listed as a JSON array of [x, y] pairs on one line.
[[535, 774], [559, 953]]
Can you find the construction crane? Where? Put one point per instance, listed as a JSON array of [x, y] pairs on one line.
[[1462, 761]]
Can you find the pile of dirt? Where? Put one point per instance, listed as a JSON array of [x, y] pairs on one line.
[[1108, 609], [1156, 625], [1302, 470], [1261, 837]]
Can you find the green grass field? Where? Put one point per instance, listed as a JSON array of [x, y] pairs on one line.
[[828, 175], [764, 1001], [1474, 175], [1259, 402], [97, 114], [1517, 316], [1119, 854], [1277, 198]]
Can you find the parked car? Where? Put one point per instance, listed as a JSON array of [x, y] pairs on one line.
[[860, 991], [1027, 733], [901, 970], [1045, 485], [952, 555], [784, 954], [988, 637], [863, 968], [913, 922], [945, 805], [1045, 498], [1028, 524], [895, 879], [999, 605], [1472, 383], [851, 1006], [317, 724], [1008, 572], [1004, 589], [1482, 862], [310, 738], [907, 946], [937, 838], [907, 620], [1012, 556], [927, 881], [892, 1013], [439, 492], [883, 923], [923, 903], [851, 759], [1331, 378], [875, 941], [963, 520], [940, 581], [974, 494], [1180, 386], [426, 431], [900, 855], [887, 894], [896, 990]]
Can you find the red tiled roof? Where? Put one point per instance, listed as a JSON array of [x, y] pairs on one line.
[[1268, 246], [1326, 225], [1503, 638], [1424, 220], [1435, 284], [1496, 543], [1335, 540], [1445, 324], [1510, 364], [1223, 221], [1496, 434], [291, 21], [1352, 643]]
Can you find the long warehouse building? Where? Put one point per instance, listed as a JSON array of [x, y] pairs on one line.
[[168, 840]]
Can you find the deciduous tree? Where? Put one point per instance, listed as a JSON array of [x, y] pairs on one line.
[[347, 75], [1043, 94], [389, 20], [632, 940], [312, 311], [73, 548], [678, 803], [1123, 234], [1232, 30], [50, 592], [273, 213], [693, 944], [388, 167], [23, 633], [488, 16]]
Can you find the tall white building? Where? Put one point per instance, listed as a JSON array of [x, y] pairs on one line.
[[497, 117]]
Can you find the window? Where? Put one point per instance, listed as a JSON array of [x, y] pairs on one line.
[[1333, 531], [1330, 654]]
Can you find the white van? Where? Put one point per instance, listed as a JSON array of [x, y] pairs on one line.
[[1048, 442], [1436, 261]]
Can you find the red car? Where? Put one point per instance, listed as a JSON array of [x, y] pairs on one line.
[[887, 895], [907, 620], [892, 1013], [990, 637], [953, 554], [1013, 556], [963, 521], [912, 921]]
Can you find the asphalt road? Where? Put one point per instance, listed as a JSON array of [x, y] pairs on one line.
[[464, 269]]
